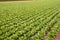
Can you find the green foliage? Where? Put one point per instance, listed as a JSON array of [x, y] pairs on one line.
[[29, 20]]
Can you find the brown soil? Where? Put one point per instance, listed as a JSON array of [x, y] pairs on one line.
[[58, 36]]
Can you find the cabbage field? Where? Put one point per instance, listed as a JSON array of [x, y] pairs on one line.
[[29, 20]]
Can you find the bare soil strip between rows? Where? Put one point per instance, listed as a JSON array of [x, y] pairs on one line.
[[57, 37]]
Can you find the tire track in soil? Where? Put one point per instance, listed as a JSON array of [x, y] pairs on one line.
[[57, 37]]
